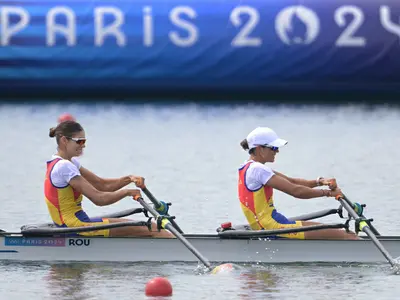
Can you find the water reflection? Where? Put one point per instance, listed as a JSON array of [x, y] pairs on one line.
[[69, 281], [258, 282]]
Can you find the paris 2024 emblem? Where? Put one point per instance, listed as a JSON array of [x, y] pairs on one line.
[[297, 25]]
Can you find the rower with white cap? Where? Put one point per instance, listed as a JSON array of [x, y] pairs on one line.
[[257, 182]]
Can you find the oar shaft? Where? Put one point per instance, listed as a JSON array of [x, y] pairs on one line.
[[151, 197], [157, 204], [352, 205], [204, 260], [364, 227], [167, 225], [378, 244]]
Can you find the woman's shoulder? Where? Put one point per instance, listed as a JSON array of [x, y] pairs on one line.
[[258, 165], [65, 163], [76, 161], [255, 168]]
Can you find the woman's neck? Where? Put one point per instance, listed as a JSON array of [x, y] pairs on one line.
[[256, 159], [63, 154]]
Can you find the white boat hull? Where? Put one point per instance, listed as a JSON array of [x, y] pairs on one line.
[[211, 246]]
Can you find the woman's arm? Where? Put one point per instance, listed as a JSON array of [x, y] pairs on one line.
[[109, 184], [331, 182], [299, 191], [300, 181], [100, 198]]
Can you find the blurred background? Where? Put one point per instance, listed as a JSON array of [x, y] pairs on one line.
[[204, 50]]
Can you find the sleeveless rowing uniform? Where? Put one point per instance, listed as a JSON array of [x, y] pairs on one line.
[[256, 200], [63, 202]]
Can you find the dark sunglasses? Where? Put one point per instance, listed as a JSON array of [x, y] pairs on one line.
[[273, 148], [79, 141]]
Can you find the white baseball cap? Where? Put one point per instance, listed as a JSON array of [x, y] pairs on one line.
[[264, 136]]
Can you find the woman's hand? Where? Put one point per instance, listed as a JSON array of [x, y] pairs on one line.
[[136, 194], [331, 182], [336, 192], [137, 180], [332, 193]]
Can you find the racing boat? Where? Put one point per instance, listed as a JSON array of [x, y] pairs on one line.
[[234, 244]]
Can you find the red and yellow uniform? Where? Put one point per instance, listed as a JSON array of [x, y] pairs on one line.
[[258, 207], [64, 205]]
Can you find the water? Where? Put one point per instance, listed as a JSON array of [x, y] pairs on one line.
[[189, 156], [121, 281]]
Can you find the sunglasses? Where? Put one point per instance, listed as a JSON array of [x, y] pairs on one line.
[[273, 148], [79, 141]]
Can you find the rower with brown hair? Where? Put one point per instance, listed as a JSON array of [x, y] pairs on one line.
[[257, 182], [66, 183]]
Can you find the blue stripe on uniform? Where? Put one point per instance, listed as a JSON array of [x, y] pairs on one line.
[[281, 219]]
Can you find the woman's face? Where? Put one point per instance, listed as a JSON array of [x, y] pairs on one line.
[[268, 153], [74, 145]]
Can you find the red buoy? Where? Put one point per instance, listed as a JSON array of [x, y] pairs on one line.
[[66, 117], [158, 286]]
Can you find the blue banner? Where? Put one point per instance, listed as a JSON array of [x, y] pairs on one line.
[[227, 45]]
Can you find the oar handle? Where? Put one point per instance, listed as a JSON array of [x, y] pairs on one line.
[[157, 204]]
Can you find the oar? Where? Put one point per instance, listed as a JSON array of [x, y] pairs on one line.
[[166, 224], [362, 215], [364, 227], [158, 204], [334, 184]]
